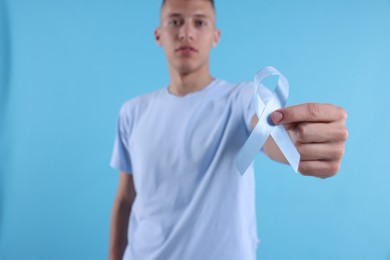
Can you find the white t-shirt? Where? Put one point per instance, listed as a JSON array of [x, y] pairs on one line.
[[191, 203]]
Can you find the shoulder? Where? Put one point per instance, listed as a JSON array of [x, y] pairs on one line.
[[132, 108], [139, 103], [237, 88], [235, 85], [245, 91]]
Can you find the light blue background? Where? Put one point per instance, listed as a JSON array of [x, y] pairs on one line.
[[67, 66]]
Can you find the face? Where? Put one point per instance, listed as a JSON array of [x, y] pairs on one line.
[[187, 33]]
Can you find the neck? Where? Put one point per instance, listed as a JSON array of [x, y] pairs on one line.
[[185, 83]]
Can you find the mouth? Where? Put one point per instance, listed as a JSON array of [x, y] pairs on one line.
[[186, 49]]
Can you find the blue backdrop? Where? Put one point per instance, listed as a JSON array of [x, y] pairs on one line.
[[67, 66]]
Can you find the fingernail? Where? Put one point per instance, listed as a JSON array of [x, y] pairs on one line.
[[276, 117]]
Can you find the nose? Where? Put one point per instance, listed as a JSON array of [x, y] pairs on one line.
[[186, 32]]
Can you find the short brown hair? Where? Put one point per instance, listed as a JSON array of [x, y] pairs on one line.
[[211, 1]]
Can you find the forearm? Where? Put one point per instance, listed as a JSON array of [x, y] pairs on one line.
[[118, 232], [270, 147]]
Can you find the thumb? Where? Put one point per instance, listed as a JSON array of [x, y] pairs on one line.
[[277, 117]]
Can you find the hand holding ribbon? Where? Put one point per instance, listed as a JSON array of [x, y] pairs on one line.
[[265, 127]]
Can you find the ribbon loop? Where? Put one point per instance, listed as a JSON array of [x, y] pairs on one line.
[[264, 127]]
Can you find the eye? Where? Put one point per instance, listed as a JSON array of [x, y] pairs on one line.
[[200, 23], [175, 22]]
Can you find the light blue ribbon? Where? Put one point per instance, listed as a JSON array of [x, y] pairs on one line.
[[265, 127]]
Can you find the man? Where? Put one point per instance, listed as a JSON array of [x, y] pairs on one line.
[[180, 195]]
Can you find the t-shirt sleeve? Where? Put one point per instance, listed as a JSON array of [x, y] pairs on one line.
[[120, 159], [249, 106]]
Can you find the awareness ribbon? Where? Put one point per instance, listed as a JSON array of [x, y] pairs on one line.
[[265, 127]]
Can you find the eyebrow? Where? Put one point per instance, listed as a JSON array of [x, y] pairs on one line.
[[196, 15]]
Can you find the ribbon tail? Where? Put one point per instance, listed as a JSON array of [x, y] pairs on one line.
[[287, 147], [251, 148]]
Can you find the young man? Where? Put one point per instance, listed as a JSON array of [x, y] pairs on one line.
[[180, 195]]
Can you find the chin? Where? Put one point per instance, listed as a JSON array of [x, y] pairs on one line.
[[185, 69]]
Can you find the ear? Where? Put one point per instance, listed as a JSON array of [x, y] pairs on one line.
[[157, 36], [216, 37]]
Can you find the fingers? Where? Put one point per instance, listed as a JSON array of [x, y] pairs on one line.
[[321, 151], [320, 169], [321, 147], [319, 132], [310, 112]]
